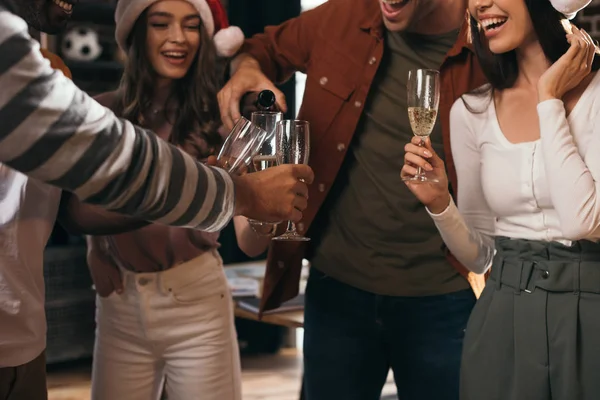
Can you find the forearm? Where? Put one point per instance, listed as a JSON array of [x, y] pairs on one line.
[[474, 249], [59, 135], [85, 219], [572, 183], [248, 241]]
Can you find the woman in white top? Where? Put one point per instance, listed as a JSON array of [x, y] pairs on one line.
[[527, 154]]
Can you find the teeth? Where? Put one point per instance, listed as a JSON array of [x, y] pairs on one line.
[[486, 23], [65, 6], [174, 54], [392, 2]]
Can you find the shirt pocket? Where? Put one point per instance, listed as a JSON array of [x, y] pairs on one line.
[[327, 91]]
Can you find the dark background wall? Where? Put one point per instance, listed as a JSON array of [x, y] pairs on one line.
[[589, 19]]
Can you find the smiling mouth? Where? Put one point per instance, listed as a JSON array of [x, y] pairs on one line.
[[176, 55], [395, 4], [492, 24], [63, 5]]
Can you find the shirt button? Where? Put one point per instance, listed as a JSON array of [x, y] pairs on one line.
[[357, 104], [300, 226], [372, 61], [321, 187], [544, 274], [280, 264], [341, 147], [323, 81]]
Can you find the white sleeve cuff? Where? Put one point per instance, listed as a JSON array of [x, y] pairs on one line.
[[448, 212]]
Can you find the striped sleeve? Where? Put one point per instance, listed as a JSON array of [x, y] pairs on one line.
[[52, 131]]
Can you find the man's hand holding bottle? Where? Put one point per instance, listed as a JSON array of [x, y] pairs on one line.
[[247, 78]]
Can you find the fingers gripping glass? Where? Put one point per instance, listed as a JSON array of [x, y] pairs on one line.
[[423, 99], [292, 139], [266, 157]]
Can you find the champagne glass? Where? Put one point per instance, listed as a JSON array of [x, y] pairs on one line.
[[265, 158], [293, 147], [423, 95], [243, 142]]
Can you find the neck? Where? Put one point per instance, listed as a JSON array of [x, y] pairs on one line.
[[441, 16], [532, 63], [161, 92]]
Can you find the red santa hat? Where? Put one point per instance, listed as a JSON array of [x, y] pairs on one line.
[[227, 39]]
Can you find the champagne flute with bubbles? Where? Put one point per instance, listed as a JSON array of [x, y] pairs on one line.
[[265, 158], [293, 147], [423, 95]]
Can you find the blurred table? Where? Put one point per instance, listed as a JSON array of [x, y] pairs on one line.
[[289, 319]]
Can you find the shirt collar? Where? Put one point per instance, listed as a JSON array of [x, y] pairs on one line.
[[372, 21]]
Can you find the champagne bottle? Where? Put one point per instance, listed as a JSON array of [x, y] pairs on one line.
[[258, 101]]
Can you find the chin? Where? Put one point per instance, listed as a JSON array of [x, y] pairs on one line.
[[396, 26], [501, 48], [172, 75]]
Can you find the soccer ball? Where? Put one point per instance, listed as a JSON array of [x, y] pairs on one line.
[[81, 44]]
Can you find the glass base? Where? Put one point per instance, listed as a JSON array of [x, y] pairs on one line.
[[420, 179], [291, 237]]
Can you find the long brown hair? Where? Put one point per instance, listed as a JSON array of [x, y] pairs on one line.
[[195, 95]]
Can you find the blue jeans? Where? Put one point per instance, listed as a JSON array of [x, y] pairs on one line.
[[352, 338]]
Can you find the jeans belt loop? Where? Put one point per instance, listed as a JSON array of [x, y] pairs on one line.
[[527, 274], [576, 278], [500, 271]]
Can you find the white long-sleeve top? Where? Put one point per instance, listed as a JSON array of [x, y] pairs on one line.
[[545, 190]]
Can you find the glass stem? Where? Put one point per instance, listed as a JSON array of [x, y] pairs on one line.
[[419, 170], [291, 228]]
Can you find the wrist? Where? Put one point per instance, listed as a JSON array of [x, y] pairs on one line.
[[241, 195], [545, 94], [243, 61], [439, 205]]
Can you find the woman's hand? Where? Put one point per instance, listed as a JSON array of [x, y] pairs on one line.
[[570, 69], [434, 195]]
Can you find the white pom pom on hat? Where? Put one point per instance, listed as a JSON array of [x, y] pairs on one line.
[[569, 8], [227, 39]]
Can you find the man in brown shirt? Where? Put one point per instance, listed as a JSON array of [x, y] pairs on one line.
[[383, 291]]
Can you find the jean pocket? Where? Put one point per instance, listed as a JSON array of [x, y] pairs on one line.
[[209, 286]]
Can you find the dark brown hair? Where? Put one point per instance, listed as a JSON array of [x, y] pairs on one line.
[[195, 95]]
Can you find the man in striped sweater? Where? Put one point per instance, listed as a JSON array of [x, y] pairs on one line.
[[53, 135]]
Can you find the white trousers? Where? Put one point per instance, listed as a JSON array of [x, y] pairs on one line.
[[176, 327]]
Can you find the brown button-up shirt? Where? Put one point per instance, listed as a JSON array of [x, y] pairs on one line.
[[339, 45]]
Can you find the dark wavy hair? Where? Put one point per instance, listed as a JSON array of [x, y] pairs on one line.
[[502, 70], [195, 95]]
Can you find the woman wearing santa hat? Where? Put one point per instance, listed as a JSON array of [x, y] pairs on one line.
[[164, 311]]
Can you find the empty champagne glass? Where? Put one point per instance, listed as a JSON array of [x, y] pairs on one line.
[[293, 147], [265, 158], [423, 95], [242, 143]]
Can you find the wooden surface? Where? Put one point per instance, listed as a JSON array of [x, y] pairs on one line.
[[270, 377], [290, 319]]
